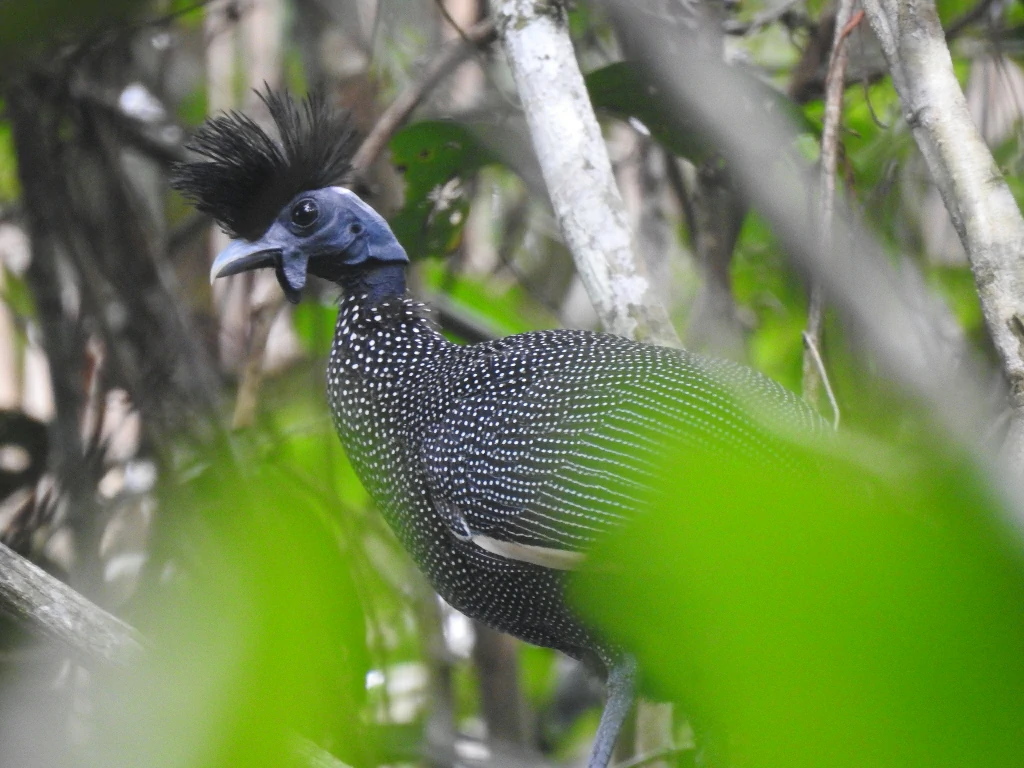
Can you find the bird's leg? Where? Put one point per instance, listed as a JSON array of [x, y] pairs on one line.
[[621, 691]]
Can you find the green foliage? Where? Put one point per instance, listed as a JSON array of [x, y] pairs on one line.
[[956, 286], [769, 292], [313, 322], [187, 13], [860, 608], [16, 296], [625, 91], [27, 30], [951, 10], [1010, 158], [1014, 17], [504, 309], [437, 159], [257, 638], [9, 188], [193, 109]]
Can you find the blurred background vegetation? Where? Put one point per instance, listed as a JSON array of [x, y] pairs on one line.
[[165, 446]]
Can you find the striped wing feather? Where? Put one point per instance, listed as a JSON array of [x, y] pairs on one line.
[[564, 447]]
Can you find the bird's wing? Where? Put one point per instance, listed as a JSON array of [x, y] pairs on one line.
[[561, 450]]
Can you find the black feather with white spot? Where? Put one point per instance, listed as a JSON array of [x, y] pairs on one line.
[[496, 464], [485, 457]]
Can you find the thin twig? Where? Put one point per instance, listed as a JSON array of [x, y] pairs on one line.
[[871, 107], [835, 82], [456, 321], [443, 9], [262, 318], [851, 25], [447, 58], [823, 374]]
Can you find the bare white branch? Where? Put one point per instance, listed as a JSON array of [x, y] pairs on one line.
[[53, 610], [979, 202], [577, 171], [911, 334]]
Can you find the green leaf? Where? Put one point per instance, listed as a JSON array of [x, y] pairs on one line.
[[824, 615], [505, 310], [766, 288], [259, 636], [9, 187], [192, 109], [626, 91], [314, 325], [437, 158], [17, 296], [188, 13], [957, 285]]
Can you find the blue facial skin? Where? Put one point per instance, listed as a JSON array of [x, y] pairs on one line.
[[327, 232]]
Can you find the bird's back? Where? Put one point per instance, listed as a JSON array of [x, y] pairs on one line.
[[550, 438], [497, 464]]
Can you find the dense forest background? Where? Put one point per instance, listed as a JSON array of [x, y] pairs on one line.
[[166, 449]]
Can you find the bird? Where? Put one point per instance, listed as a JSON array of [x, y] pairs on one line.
[[496, 464]]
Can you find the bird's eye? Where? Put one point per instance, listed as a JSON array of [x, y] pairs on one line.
[[356, 229], [305, 213]]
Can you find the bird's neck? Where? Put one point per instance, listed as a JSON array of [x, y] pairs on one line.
[[377, 283]]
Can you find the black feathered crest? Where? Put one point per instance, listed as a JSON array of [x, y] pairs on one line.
[[247, 176]]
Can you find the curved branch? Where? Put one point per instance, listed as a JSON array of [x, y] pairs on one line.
[[983, 211], [913, 336], [577, 172], [835, 86]]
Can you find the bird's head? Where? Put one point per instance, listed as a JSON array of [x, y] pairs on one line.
[[281, 201], [328, 232]]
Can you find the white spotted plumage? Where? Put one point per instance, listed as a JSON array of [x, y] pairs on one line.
[[483, 458]]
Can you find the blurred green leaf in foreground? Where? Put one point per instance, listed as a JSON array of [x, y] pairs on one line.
[[819, 618], [256, 635]]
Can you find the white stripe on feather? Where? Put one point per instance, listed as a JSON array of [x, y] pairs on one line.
[[547, 557]]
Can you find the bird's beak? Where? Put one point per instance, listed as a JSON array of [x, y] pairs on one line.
[[242, 255]]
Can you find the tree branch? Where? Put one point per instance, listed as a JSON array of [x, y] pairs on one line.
[[973, 15], [979, 202], [53, 610], [910, 333], [588, 207], [835, 87]]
